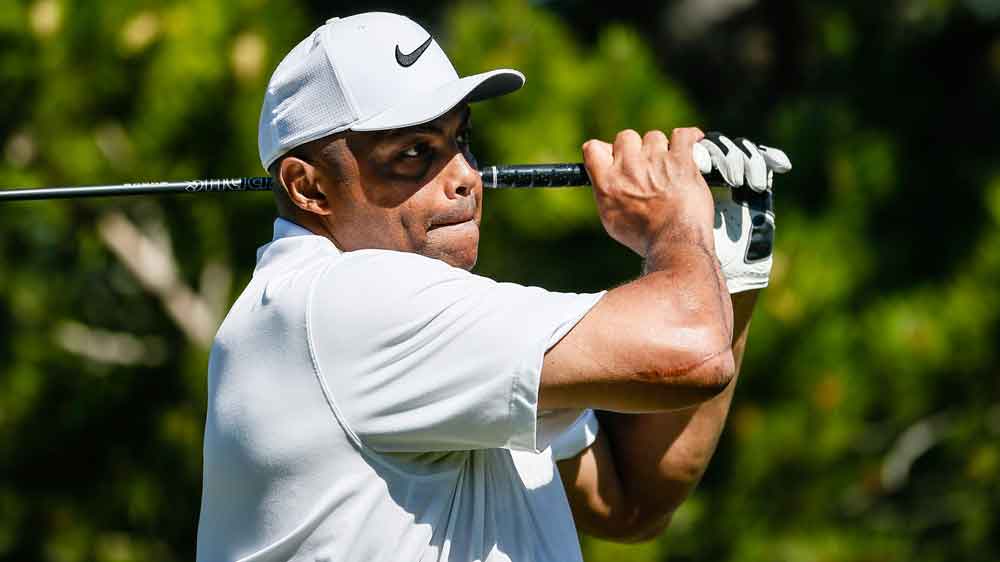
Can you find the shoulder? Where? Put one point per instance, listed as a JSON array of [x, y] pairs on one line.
[[385, 261], [389, 274], [388, 287]]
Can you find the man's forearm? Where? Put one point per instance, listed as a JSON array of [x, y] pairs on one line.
[[661, 456]]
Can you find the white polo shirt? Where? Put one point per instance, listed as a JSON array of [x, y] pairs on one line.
[[376, 406]]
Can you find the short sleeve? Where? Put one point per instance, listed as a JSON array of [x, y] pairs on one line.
[[415, 355], [577, 437]]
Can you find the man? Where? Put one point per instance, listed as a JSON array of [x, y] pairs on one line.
[[370, 399]]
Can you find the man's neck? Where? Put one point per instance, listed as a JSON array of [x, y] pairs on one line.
[[313, 224]]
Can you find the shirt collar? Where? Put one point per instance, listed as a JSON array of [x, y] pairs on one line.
[[284, 228], [289, 238]]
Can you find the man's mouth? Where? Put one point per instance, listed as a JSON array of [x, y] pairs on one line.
[[452, 221], [454, 217]]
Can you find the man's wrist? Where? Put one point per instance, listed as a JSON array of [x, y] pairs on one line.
[[673, 236], [677, 249], [743, 307]]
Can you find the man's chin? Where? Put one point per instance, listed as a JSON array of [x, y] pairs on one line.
[[456, 245], [466, 262]]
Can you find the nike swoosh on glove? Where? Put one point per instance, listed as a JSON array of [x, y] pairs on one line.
[[744, 209]]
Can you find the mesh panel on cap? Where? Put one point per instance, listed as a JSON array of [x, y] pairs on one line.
[[304, 102]]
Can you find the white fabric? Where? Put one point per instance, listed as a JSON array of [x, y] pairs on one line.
[[742, 229], [346, 75], [732, 231], [382, 406], [578, 437], [751, 164]]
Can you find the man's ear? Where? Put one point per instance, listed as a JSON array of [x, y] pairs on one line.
[[302, 184]]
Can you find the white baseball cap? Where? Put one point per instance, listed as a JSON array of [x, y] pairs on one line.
[[368, 72]]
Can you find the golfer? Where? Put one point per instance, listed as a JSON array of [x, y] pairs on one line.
[[372, 400]]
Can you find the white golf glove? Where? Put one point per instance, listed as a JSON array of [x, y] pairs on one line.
[[744, 206]]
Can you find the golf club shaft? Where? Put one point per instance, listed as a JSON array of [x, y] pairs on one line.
[[150, 188], [494, 177]]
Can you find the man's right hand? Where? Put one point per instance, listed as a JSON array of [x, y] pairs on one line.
[[649, 190]]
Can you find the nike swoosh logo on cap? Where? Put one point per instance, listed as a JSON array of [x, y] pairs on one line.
[[406, 60]]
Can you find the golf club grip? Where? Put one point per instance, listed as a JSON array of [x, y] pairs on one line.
[[534, 175], [549, 175]]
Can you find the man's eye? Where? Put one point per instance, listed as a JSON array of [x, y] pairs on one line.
[[415, 151]]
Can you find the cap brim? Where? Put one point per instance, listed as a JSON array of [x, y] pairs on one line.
[[437, 102]]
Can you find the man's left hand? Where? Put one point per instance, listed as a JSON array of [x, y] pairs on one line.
[[744, 208]]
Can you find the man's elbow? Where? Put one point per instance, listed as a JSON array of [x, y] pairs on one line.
[[714, 372], [638, 530], [700, 371]]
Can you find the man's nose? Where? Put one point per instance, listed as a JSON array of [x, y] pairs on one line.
[[461, 177]]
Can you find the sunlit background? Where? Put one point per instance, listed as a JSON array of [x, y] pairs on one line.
[[866, 425]]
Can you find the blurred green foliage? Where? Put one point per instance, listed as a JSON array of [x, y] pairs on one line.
[[867, 422]]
